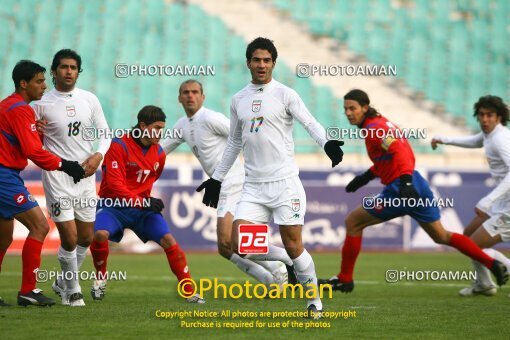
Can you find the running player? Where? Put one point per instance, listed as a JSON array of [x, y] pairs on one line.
[[206, 133], [394, 163], [64, 113], [20, 141], [261, 122], [491, 225], [131, 166]]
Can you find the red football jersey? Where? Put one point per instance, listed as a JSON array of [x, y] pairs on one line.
[[19, 139], [129, 170], [392, 156]]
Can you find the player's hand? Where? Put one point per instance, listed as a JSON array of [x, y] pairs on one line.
[[359, 181], [91, 164], [40, 125], [212, 192], [73, 169], [156, 205], [434, 142], [407, 189], [334, 151]]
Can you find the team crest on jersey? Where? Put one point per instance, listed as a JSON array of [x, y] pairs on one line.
[[295, 204], [31, 198], [33, 127], [71, 111], [156, 166], [115, 165], [255, 105]]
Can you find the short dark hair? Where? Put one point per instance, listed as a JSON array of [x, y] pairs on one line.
[[150, 114], [191, 81], [362, 98], [493, 103], [65, 53], [261, 44], [25, 70]]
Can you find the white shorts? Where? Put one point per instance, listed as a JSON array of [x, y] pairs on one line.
[[499, 225], [284, 200], [230, 195], [60, 191]]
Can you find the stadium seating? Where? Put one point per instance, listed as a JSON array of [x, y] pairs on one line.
[[451, 51], [140, 32]]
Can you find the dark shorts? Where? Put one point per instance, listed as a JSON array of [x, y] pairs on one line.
[[147, 225], [420, 212], [14, 196]]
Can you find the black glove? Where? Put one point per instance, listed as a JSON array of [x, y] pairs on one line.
[[155, 205], [73, 169], [359, 181], [212, 192], [406, 189], [334, 152]]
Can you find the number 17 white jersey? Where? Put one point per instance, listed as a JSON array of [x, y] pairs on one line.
[[261, 124]]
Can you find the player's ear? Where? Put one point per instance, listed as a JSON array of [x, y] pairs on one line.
[[23, 84]]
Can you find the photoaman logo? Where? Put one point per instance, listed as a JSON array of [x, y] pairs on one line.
[[253, 239]]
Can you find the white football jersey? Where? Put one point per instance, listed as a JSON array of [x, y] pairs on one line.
[[206, 133], [497, 151], [261, 124], [68, 114]]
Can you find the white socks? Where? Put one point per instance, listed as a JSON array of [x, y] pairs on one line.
[[483, 274], [81, 253], [275, 254], [69, 267], [253, 269], [305, 273]]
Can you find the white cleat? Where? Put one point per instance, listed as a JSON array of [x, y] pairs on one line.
[[76, 300], [61, 292], [195, 299], [477, 290], [98, 289]]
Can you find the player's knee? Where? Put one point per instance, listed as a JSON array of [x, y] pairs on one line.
[[225, 251], [352, 226], [167, 241], [5, 242], [40, 227], [441, 237], [101, 236], [294, 248], [85, 241]]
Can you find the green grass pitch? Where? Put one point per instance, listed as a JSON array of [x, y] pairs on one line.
[[415, 309]]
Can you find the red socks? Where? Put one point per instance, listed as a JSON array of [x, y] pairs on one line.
[[31, 259], [350, 252], [468, 247], [2, 253], [177, 261], [100, 253]]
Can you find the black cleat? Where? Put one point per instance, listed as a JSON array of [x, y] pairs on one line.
[[334, 282], [34, 298], [292, 278], [500, 272], [4, 304], [313, 313]]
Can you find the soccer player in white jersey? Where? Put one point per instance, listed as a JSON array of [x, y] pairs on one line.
[[206, 133], [261, 123], [63, 113], [491, 225]]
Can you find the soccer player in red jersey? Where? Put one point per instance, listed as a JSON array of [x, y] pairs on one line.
[[19, 141], [394, 163], [131, 166]]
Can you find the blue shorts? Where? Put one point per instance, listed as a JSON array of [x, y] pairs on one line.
[[422, 213], [14, 195], [147, 225]]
